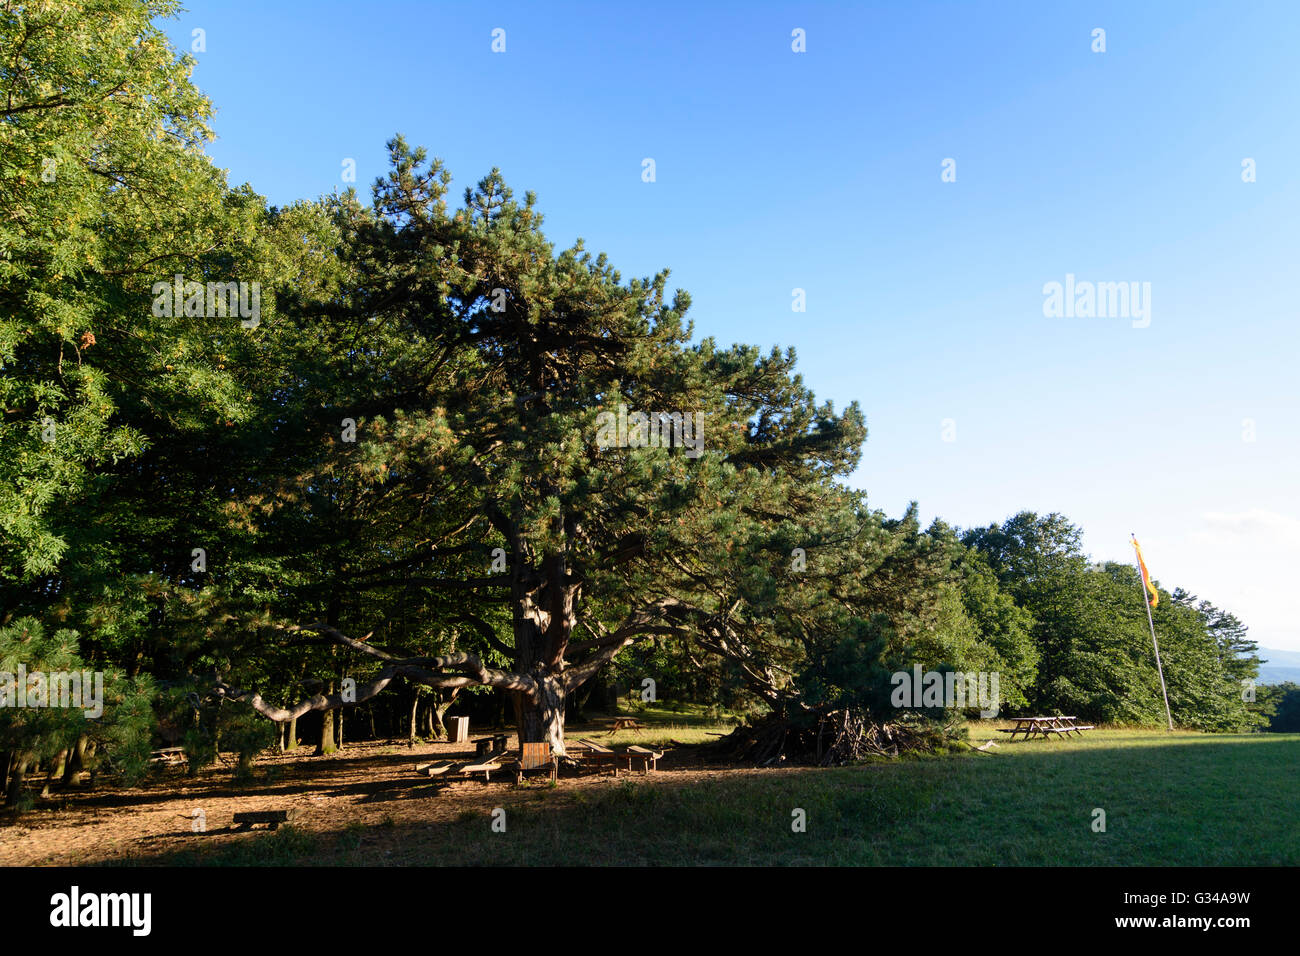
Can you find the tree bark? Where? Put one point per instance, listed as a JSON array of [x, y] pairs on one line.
[[76, 763], [327, 745], [544, 611], [291, 742], [16, 780], [438, 711], [55, 770], [542, 719], [328, 742]]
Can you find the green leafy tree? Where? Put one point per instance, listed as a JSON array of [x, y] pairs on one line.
[[1094, 641], [479, 366], [56, 710], [1279, 706]]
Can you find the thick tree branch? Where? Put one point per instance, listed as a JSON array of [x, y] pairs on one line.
[[450, 671]]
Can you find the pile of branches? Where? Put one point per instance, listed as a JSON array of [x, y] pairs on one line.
[[834, 738]]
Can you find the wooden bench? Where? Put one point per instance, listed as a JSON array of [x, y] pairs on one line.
[[434, 768], [1066, 725], [597, 754], [272, 818], [649, 758], [484, 767], [449, 770]]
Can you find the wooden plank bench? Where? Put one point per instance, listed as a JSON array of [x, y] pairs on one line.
[[597, 754], [1065, 725], [484, 767], [272, 818], [434, 768], [1075, 729], [649, 758]]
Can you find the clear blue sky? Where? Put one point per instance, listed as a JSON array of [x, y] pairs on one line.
[[821, 171]]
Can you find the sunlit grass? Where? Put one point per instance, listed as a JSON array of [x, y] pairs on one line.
[[1169, 799]]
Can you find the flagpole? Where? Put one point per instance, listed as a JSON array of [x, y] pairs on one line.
[[1142, 586]]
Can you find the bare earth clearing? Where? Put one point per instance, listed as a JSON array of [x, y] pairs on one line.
[[370, 790]]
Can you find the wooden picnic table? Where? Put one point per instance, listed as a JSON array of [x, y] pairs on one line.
[[1060, 724], [625, 723]]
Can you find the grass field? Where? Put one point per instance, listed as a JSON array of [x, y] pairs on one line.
[[1170, 799]]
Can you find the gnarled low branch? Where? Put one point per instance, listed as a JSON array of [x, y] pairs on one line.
[[642, 623], [456, 670], [333, 701]]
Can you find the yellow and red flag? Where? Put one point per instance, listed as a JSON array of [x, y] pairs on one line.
[[1146, 575]]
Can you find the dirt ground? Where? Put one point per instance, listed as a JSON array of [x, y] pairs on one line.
[[369, 784]]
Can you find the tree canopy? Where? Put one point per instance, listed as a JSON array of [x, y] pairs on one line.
[[438, 451]]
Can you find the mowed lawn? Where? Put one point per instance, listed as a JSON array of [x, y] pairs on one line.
[[1169, 799]]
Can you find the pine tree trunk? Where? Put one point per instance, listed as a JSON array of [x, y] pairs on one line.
[[327, 744], [88, 761], [438, 712], [543, 620], [16, 780], [544, 720], [55, 770], [76, 763], [328, 741]]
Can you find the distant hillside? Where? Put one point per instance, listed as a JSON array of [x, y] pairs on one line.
[[1282, 666]]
